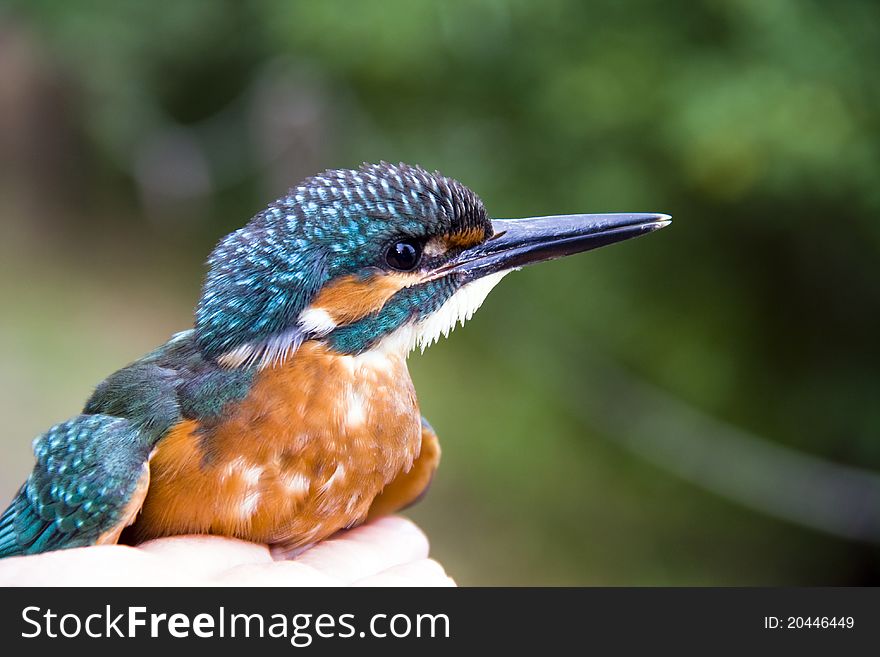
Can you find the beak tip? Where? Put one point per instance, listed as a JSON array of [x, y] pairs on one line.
[[662, 221]]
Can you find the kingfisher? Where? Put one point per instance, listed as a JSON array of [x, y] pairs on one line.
[[287, 412]]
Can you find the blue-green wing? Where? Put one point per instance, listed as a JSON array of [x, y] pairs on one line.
[[90, 477]]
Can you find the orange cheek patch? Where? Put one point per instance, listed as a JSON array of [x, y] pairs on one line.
[[352, 298]]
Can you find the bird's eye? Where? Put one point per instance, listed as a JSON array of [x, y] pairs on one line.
[[403, 255]]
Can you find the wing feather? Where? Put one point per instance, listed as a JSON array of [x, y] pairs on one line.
[[90, 472]]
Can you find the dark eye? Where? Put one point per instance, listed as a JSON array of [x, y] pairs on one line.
[[403, 255]]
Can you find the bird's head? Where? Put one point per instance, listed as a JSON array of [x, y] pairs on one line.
[[352, 257]]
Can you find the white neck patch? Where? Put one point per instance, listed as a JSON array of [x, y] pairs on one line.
[[271, 352], [457, 309]]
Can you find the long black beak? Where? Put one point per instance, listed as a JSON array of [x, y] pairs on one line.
[[520, 242]]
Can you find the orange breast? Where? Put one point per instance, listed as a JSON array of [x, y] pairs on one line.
[[302, 456]]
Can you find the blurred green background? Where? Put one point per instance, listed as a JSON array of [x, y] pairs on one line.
[[701, 406]]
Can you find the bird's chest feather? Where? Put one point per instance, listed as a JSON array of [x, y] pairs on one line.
[[301, 456]]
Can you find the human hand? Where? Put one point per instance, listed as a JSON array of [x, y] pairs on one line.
[[388, 551]]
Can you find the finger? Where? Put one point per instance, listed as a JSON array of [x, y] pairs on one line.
[[279, 573], [367, 550], [102, 565], [425, 572], [204, 556]]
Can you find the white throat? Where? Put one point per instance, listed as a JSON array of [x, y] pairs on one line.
[[457, 309]]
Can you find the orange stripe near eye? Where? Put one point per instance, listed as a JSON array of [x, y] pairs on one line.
[[351, 298], [465, 239]]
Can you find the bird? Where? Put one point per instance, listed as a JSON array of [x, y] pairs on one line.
[[287, 413]]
